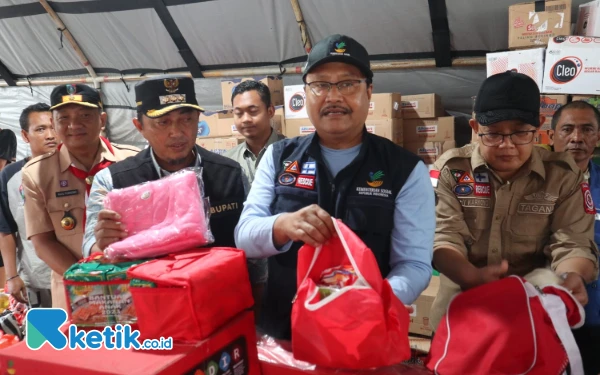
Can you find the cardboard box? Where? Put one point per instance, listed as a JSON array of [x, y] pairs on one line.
[[298, 127], [593, 100], [422, 106], [588, 20], [385, 106], [219, 145], [533, 24], [388, 128], [429, 151], [391, 129], [549, 104], [278, 120], [542, 138], [432, 130], [419, 319], [572, 66], [295, 102], [237, 339], [215, 124], [275, 85], [528, 61]]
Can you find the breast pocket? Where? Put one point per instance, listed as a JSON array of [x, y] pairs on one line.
[[369, 214], [289, 199], [529, 235], [75, 206]]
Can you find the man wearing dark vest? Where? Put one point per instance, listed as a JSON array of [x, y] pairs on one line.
[[381, 191], [168, 118]]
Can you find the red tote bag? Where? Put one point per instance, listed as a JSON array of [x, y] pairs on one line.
[[508, 327], [194, 293], [363, 325]]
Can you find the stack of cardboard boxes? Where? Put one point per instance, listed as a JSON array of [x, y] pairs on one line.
[[385, 117], [217, 131], [427, 132]]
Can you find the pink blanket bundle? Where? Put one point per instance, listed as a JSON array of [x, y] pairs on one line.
[[161, 217]]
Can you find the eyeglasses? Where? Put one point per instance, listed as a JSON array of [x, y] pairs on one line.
[[517, 138], [348, 87]]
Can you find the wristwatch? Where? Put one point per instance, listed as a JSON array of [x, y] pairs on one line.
[[565, 274]]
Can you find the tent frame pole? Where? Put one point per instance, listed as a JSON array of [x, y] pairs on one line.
[[249, 72], [306, 43], [61, 26]]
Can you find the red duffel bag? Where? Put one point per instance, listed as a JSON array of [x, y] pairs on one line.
[[187, 296], [360, 326]]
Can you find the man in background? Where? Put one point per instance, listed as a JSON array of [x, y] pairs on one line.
[[575, 131], [252, 114], [28, 277]]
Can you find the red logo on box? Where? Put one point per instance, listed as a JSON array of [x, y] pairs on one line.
[[530, 27], [306, 182], [518, 23]]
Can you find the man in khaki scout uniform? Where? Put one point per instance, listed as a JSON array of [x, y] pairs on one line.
[[56, 185], [506, 206]]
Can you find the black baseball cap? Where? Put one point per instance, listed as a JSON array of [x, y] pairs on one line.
[[157, 96], [75, 94], [338, 48], [508, 96]]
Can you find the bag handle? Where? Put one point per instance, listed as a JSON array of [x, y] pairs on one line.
[[557, 312], [190, 255], [346, 250]]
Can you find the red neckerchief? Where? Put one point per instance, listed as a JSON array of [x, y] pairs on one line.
[[83, 175]]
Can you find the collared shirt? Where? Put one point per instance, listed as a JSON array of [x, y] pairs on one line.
[[248, 161], [102, 184], [34, 272], [537, 218], [162, 172], [51, 190], [411, 239]]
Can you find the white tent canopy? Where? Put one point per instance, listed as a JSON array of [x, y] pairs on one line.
[[140, 37]]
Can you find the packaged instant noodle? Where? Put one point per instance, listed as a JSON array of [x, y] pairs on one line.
[[98, 293]]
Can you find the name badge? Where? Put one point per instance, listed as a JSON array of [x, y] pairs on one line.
[[66, 193]]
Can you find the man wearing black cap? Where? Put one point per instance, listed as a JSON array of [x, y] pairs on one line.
[[57, 184], [506, 207], [167, 117], [381, 191]]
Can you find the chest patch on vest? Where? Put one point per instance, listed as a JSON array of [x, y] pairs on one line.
[[220, 208], [287, 179], [309, 168], [306, 182], [293, 168], [374, 180]]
